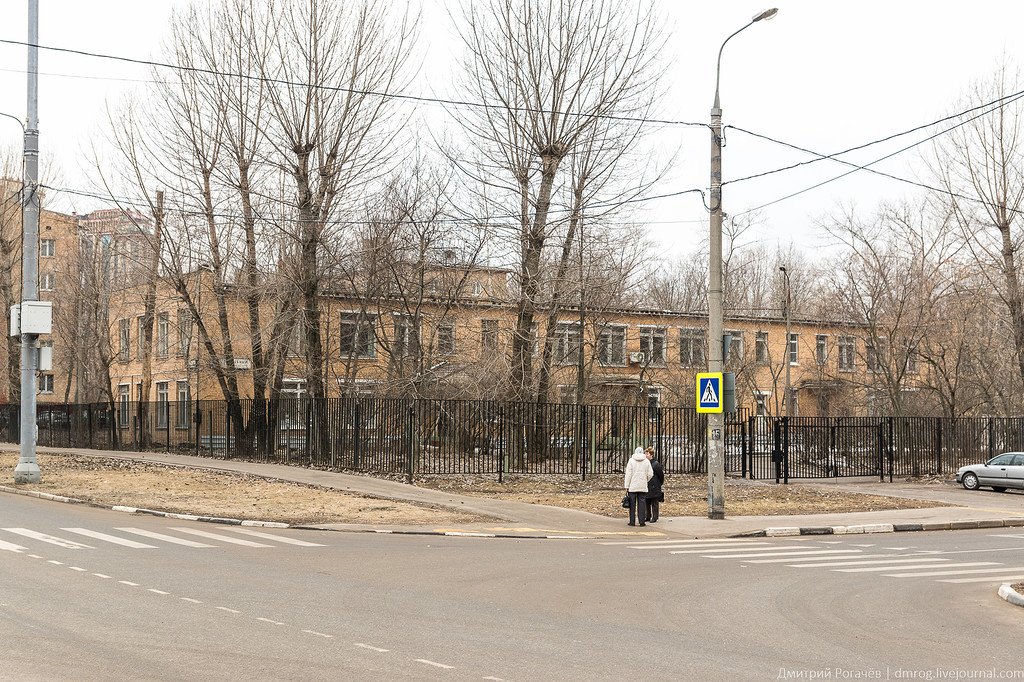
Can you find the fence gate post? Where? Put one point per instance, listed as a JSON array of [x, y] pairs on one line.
[[938, 445], [881, 451], [777, 447], [785, 450], [356, 418], [991, 439], [581, 438], [892, 447], [410, 446]]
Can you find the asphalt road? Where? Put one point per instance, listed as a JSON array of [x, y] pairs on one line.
[[361, 606]]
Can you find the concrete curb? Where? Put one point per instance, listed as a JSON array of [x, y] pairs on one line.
[[1011, 595], [1012, 522], [278, 524]]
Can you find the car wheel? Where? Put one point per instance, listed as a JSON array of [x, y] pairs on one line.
[[970, 481], [999, 488]]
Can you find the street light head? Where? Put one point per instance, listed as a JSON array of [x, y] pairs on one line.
[[766, 15]]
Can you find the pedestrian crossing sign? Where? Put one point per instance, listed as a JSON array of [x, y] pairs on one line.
[[709, 392]]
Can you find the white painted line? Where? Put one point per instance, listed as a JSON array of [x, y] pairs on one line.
[[1007, 570], [434, 663], [109, 538], [101, 575], [130, 584], [735, 549], [736, 545], [11, 547], [224, 608], [165, 538], [567, 537], [222, 538], [371, 648], [894, 549], [318, 634], [494, 679], [913, 560], [677, 542], [76, 568], [820, 558], [878, 569], [35, 556], [272, 622], [53, 561], [191, 601], [157, 591], [276, 538], [852, 545], [43, 537], [795, 554], [1015, 537], [986, 579]]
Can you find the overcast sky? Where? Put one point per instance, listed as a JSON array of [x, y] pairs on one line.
[[821, 75]]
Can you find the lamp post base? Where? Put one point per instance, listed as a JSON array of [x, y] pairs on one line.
[[716, 516], [27, 471]]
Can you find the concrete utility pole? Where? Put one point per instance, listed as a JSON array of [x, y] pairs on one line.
[[787, 302], [27, 470], [716, 421]]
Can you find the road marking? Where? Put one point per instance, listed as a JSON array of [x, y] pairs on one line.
[[276, 538], [222, 538], [272, 622], [76, 568], [165, 538], [494, 679], [43, 537], [11, 547], [904, 560], [877, 569], [109, 538], [675, 542], [191, 601], [434, 663], [735, 549], [101, 575], [894, 549], [735, 546], [157, 591], [130, 584], [974, 570], [1015, 537], [796, 554], [986, 579], [35, 556], [319, 634], [820, 558], [372, 648], [863, 545], [54, 561], [224, 608]]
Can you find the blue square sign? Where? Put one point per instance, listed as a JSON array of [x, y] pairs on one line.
[[709, 392]]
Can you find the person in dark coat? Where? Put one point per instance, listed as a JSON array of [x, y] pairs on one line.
[[655, 494]]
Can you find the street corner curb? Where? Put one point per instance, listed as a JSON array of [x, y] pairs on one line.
[[454, 533], [41, 496], [1011, 595]]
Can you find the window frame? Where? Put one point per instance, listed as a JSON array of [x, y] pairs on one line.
[[358, 335], [611, 345], [648, 336], [687, 338], [762, 356]]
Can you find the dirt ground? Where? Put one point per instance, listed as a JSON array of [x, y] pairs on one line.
[[197, 491], [684, 495], [209, 493]]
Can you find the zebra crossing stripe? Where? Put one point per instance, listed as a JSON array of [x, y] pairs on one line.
[[166, 538], [113, 539], [986, 579], [796, 555], [276, 538], [903, 560], [679, 542], [50, 539], [736, 549], [11, 547], [820, 558], [222, 538], [1010, 569], [916, 565]]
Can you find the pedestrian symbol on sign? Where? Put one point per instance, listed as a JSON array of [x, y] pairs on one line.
[[709, 392]]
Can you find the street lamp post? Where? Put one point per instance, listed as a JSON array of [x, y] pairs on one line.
[[787, 302], [716, 421]]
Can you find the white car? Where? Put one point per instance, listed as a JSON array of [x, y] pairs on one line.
[[999, 473]]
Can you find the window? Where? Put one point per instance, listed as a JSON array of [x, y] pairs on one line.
[[735, 345], [47, 247], [912, 360], [124, 340], [184, 332], [567, 343], [794, 347], [761, 403], [653, 402], [406, 339], [446, 338], [488, 334], [358, 335], [183, 405], [567, 395], [847, 353], [161, 404], [163, 334], [761, 348], [46, 383], [692, 343], [821, 349], [611, 346], [875, 355], [47, 281], [123, 398], [652, 344]]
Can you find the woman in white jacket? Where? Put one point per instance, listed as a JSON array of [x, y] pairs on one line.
[[638, 472]]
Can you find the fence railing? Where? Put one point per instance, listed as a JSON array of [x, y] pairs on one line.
[[422, 436]]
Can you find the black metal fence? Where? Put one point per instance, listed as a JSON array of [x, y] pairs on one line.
[[419, 436]]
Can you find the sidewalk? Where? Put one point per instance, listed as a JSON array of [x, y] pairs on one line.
[[517, 519]]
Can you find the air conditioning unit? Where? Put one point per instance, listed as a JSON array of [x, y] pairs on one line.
[[637, 358]]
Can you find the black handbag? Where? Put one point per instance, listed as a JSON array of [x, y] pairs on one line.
[[625, 501]]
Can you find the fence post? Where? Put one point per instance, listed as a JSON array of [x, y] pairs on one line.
[[356, 419], [777, 448], [743, 451], [582, 439], [881, 451], [410, 446], [227, 430], [785, 450], [938, 445], [991, 439], [892, 448]]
